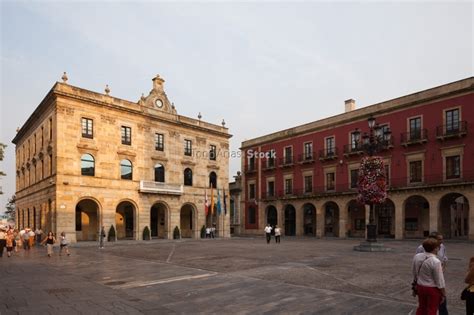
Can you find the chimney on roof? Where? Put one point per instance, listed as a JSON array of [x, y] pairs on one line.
[[350, 105]]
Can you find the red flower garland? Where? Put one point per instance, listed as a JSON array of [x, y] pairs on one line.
[[372, 187]]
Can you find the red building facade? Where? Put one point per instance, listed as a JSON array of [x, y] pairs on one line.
[[304, 179]]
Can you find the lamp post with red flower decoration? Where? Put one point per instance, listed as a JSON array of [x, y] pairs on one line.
[[371, 184]]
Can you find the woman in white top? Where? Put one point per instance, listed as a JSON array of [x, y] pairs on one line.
[[428, 274], [277, 234]]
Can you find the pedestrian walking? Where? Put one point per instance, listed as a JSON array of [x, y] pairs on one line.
[[3, 239], [277, 234], [208, 232], [10, 240], [468, 292], [17, 243], [429, 279], [213, 231], [25, 238], [31, 238], [63, 244], [443, 307], [268, 233], [49, 241], [101, 237]]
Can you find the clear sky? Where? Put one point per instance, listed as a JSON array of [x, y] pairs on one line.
[[260, 66]]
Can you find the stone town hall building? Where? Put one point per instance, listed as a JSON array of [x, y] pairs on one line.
[[309, 186], [86, 159]]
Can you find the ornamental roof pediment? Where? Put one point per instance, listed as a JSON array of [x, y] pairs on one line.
[[157, 98]]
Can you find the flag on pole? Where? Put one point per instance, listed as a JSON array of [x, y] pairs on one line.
[[212, 201], [206, 203], [218, 202], [225, 203]]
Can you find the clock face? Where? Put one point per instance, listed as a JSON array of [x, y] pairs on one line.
[[159, 103]]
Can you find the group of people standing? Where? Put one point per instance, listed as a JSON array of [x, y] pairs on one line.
[[269, 231], [428, 267], [13, 239], [211, 232]]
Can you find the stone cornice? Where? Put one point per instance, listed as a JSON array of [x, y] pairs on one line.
[[80, 94], [448, 90]]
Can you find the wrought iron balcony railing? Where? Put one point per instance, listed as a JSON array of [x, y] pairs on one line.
[[414, 137], [250, 168], [353, 149], [455, 130], [395, 183], [269, 164], [307, 157], [286, 161], [328, 154]]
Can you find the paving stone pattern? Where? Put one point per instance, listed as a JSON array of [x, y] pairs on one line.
[[233, 276]]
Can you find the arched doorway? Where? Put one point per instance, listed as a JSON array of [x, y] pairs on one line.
[[158, 220], [87, 220], [385, 218], [272, 216], [290, 220], [356, 213], [454, 216], [125, 220], [416, 215], [309, 219], [186, 219], [331, 219]]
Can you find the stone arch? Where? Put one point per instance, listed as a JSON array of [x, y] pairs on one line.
[[188, 220], [384, 216], [126, 220], [416, 217], [356, 219], [331, 219], [87, 219], [309, 219], [290, 220], [454, 216], [159, 219]]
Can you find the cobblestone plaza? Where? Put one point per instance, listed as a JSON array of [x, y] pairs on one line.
[[238, 275]]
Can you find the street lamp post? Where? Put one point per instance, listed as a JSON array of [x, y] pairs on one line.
[[372, 143]]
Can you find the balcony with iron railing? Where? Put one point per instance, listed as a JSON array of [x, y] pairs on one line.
[[269, 195], [306, 158], [328, 154], [415, 137], [286, 161], [250, 168], [353, 149], [397, 183], [454, 130], [269, 164], [160, 188]]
